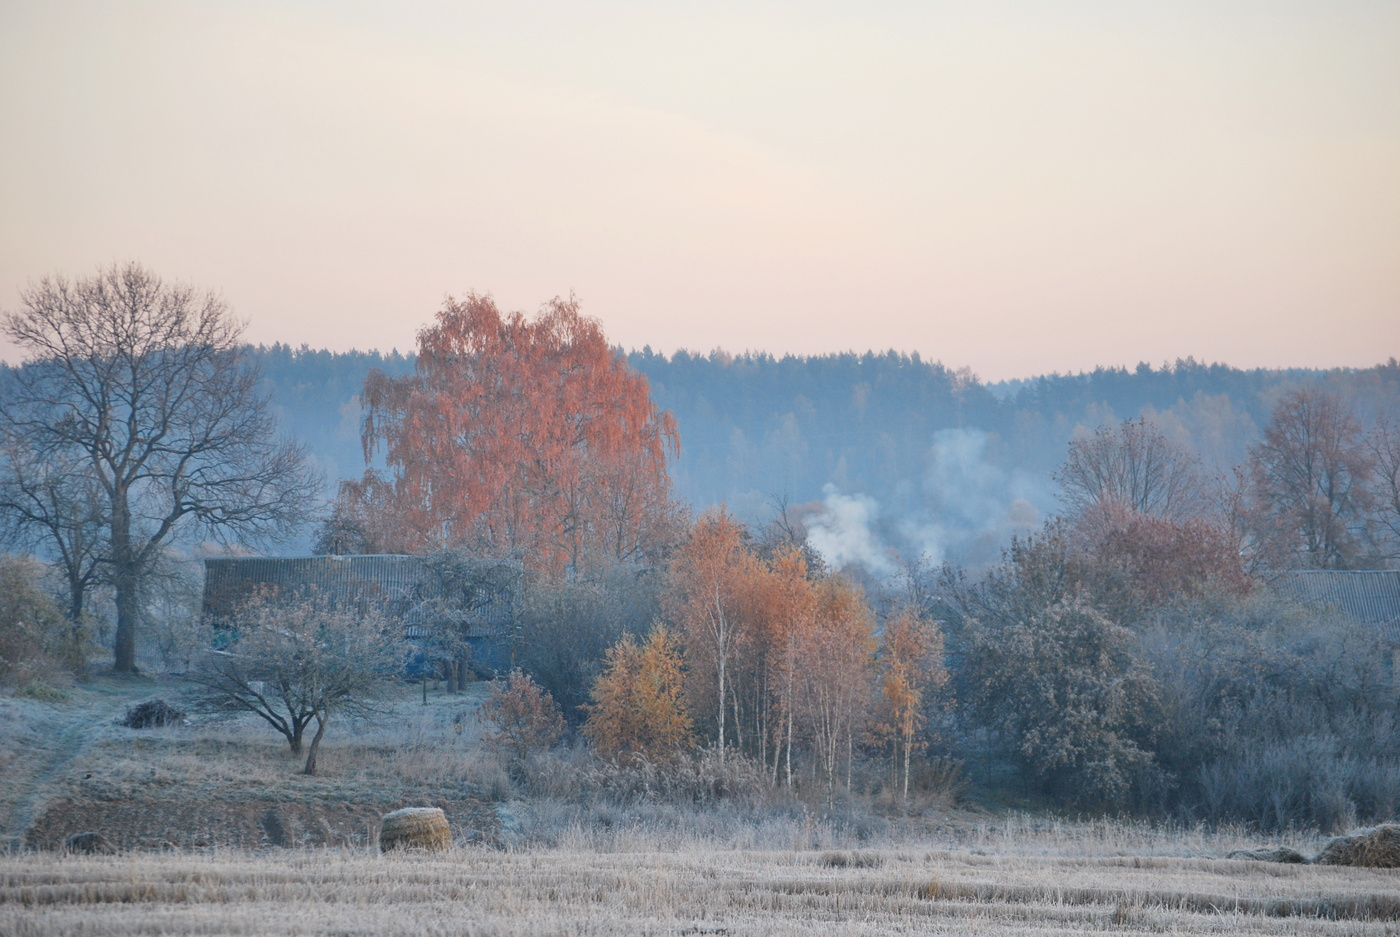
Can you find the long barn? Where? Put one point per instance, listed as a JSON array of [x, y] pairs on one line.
[[475, 599]]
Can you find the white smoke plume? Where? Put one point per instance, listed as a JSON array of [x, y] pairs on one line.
[[843, 533], [966, 510]]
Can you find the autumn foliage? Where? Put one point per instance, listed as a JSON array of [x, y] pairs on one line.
[[912, 671], [516, 435], [638, 708], [525, 718], [781, 659]]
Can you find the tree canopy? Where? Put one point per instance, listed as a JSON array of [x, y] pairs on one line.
[[136, 416], [515, 435]]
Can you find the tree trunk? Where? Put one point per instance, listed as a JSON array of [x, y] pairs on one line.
[[128, 611], [126, 581], [315, 744], [77, 594], [788, 769], [721, 633]]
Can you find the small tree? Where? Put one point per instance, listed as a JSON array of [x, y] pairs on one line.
[[637, 706], [459, 593], [1132, 464], [1312, 477], [525, 717], [297, 660], [911, 657]]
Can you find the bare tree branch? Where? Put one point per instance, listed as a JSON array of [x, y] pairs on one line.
[[144, 386]]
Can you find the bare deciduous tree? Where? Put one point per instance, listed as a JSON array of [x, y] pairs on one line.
[[297, 660], [1311, 476], [1134, 465], [1384, 443], [144, 385], [53, 504]]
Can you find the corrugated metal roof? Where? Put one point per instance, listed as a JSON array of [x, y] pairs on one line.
[[1369, 596], [403, 586]]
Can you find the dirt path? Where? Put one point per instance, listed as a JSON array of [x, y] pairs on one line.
[[58, 737], [67, 740]]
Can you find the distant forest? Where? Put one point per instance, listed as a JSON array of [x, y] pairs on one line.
[[900, 456]]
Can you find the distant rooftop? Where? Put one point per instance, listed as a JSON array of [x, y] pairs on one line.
[[1369, 596]]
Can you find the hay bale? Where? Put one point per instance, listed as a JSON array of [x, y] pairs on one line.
[[90, 843], [415, 828], [1375, 848], [1280, 854], [153, 712]]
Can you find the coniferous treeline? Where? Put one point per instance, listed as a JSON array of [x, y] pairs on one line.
[[946, 464]]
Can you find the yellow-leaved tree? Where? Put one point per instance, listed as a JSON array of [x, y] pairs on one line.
[[913, 670], [638, 708]]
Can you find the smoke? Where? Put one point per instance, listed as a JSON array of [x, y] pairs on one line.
[[843, 532], [964, 509], [972, 507]]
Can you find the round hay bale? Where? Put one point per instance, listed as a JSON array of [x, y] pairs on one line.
[[1280, 854], [415, 828], [90, 843], [1375, 848]]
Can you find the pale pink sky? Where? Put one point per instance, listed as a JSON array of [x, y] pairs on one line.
[[1015, 187]]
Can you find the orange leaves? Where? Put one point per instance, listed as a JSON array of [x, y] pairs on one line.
[[706, 600], [525, 717], [637, 707], [912, 654], [520, 435], [776, 659]]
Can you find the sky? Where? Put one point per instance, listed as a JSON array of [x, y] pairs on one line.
[[1014, 187]]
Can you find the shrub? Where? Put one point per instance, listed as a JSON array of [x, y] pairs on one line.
[[1070, 701], [525, 717], [32, 629], [41, 691]]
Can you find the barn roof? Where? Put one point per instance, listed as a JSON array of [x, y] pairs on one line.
[[1369, 596], [403, 586]]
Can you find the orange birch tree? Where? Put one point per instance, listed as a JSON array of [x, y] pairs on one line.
[[786, 606], [638, 706], [705, 602], [515, 435], [838, 668], [912, 653]]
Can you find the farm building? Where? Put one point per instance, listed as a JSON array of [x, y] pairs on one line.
[[1368, 596], [474, 600]]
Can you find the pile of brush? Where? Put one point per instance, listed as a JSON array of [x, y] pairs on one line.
[[152, 714]]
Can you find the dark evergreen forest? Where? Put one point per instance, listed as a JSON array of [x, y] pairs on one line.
[[904, 456]]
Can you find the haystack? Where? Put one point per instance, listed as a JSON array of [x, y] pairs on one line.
[[1279, 854], [1374, 848], [91, 843], [415, 828]]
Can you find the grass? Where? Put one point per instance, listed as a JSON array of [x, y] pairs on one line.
[[565, 891], [570, 855]]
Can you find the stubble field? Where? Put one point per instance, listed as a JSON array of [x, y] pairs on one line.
[[696, 891], [218, 834]]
